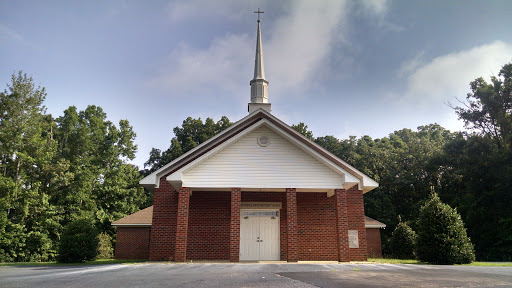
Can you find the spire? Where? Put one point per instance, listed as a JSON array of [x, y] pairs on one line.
[[259, 71], [259, 85]]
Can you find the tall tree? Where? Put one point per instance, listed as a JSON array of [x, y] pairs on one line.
[[26, 150], [488, 108], [104, 185]]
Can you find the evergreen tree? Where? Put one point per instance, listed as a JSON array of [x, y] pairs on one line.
[[79, 242], [442, 238], [403, 241]]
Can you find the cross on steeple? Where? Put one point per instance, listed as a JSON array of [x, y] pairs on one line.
[[259, 12]]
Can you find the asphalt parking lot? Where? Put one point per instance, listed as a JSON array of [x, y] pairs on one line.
[[255, 275]]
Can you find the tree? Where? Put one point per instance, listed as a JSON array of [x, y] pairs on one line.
[[442, 238], [191, 133], [303, 129], [403, 241], [489, 107], [26, 151], [79, 242]]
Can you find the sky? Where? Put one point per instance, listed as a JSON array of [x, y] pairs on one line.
[[366, 67]]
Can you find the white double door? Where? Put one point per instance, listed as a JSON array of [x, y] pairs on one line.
[[259, 235]]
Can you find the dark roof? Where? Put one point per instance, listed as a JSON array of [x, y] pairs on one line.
[[142, 217]]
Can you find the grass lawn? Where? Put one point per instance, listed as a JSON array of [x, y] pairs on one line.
[[412, 261], [54, 263]]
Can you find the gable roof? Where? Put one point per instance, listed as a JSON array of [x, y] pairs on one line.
[[372, 223], [252, 120], [143, 218], [140, 218]]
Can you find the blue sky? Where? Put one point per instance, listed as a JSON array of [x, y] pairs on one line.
[[342, 67]]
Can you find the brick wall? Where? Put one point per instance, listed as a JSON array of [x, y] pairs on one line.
[[234, 237], [132, 242], [316, 235], [209, 225], [355, 207], [373, 242], [163, 229]]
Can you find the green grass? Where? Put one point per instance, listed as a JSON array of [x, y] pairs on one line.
[[54, 263], [505, 264], [412, 261]]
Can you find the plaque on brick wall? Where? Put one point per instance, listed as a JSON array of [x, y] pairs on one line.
[[353, 239]]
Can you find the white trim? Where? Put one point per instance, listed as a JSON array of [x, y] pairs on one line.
[[375, 226], [132, 225]]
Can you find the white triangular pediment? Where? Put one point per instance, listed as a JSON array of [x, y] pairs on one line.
[[250, 164]]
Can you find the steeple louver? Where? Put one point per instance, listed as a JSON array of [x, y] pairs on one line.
[[259, 85]]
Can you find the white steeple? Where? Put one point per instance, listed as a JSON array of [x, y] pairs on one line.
[[259, 85]]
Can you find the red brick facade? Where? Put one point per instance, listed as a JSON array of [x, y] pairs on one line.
[[355, 212], [234, 242], [373, 242], [203, 225], [291, 225], [132, 243], [163, 228]]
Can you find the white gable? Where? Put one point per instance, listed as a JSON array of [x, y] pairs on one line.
[[247, 164], [213, 146]]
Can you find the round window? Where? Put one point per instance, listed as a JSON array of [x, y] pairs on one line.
[[263, 141]]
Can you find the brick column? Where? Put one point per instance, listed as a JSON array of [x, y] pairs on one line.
[[342, 225], [291, 219], [180, 254], [234, 242], [355, 206]]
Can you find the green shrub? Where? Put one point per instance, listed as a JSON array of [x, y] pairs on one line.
[[105, 250], [79, 242], [442, 238], [403, 241]]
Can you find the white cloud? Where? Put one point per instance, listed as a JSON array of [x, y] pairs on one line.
[[411, 65], [378, 7], [9, 34], [296, 46], [301, 42], [190, 70], [448, 76]]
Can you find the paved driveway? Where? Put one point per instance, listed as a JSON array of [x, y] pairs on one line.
[[256, 275]]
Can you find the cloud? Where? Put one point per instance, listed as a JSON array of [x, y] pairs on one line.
[[182, 10], [296, 46], [190, 70], [378, 7], [411, 65], [447, 77], [301, 42], [9, 34]]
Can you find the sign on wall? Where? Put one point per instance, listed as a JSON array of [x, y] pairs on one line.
[[353, 239], [261, 205]]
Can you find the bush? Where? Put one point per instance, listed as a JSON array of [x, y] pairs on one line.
[[442, 238], [403, 241], [79, 242], [105, 250]]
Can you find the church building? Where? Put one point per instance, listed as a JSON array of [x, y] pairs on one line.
[[257, 191]]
